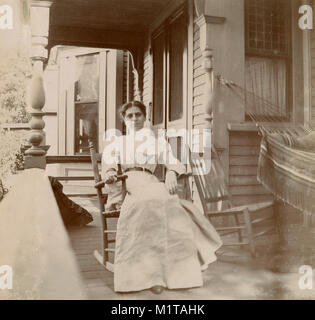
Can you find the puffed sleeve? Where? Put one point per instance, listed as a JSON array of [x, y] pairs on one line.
[[111, 154], [167, 158]]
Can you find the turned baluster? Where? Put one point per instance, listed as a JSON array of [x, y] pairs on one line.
[[39, 13]]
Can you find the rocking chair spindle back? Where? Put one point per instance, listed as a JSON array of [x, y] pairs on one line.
[[103, 257], [213, 189]]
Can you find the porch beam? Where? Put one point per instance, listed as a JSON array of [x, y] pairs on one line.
[[39, 11], [97, 38]]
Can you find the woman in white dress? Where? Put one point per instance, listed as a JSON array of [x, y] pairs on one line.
[[161, 241]]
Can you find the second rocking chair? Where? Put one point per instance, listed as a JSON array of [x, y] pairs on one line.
[[213, 191]]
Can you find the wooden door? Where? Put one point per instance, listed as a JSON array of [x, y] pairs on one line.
[[82, 92], [81, 111], [169, 46]]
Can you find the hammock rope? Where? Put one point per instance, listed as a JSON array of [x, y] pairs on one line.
[[286, 165], [264, 114]]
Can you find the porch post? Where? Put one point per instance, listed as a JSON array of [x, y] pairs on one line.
[[307, 72], [39, 11], [204, 22]]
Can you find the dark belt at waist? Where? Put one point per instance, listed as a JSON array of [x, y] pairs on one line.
[[138, 169]]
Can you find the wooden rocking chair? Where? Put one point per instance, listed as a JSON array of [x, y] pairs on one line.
[[183, 192], [102, 257], [212, 189]]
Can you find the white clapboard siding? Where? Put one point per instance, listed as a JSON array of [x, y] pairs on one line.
[[243, 160], [198, 121], [198, 83], [244, 187]]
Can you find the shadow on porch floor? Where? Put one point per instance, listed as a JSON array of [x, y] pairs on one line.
[[274, 274]]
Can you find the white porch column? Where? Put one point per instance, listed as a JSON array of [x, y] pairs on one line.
[[222, 45], [204, 22], [307, 62], [39, 11]]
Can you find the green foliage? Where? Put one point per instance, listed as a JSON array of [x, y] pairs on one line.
[[15, 71], [11, 159]]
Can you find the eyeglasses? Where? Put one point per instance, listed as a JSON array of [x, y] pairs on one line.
[[130, 116]]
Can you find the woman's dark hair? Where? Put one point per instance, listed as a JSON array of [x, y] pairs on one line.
[[130, 104]]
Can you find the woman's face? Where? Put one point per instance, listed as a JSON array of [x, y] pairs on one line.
[[134, 118]]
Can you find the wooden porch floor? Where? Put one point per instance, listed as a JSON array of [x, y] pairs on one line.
[[273, 275]]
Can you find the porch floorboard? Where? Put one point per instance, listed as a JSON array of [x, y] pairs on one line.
[[273, 275]]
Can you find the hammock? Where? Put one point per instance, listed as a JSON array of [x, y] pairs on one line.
[[289, 173], [286, 165]]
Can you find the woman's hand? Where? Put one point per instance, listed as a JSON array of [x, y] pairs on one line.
[[110, 177], [171, 181]]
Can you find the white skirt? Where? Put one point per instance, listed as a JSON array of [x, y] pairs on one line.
[[160, 240]]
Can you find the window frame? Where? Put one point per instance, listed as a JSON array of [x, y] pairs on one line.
[[165, 27], [288, 58], [77, 128], [87, 102]]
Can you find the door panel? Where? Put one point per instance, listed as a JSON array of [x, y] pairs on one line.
[[177, 44], [159, 79], [169, 44]]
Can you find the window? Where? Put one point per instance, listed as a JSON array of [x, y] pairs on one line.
[[86, 127], [268, 59], [169, 45], [86, 96]]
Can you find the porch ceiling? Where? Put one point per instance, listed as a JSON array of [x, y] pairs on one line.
[[111, 21]]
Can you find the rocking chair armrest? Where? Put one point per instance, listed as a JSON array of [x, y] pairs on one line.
[[122, 177], [184, 175], [99, 185], [180, 176], [253, 207]]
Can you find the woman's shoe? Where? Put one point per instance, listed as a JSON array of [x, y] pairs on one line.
[[157, 289]]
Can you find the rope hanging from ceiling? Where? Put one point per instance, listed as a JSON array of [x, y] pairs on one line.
[[286, 165]]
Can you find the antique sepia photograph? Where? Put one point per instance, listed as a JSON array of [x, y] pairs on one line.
[[157, 150]]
